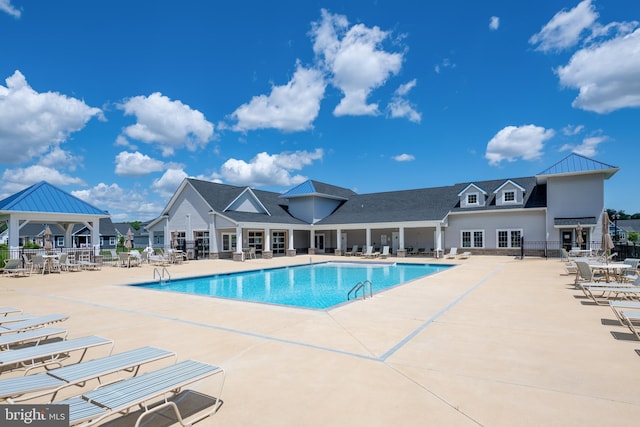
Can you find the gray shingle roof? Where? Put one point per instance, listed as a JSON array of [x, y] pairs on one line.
[[219, 196]]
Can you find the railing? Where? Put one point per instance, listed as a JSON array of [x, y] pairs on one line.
[[361, 286], [160, 274]]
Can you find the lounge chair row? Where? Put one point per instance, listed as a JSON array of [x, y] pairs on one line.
[[622, 294], [154, 392]]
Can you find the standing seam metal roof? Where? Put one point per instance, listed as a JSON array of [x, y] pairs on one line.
[[44, 197]]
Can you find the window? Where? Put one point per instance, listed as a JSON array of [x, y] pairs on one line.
[[278, 242], [472, 199], [60, 242], [473, 239], [112, 241], [509, 238], [228, 242], [509, 196], [101, 241]]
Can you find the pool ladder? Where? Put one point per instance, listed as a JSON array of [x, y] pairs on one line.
[[161, 275], [361, 286]]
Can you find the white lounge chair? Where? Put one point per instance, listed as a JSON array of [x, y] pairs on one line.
[[50, 383], [13, 267], [630, 319], [385, 252], [354, 251], [46, 355], [142, 392], [464, 255], [368, 253], [452, 253]]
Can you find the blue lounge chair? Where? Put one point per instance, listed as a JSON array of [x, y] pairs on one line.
[[36, 322], [142, 392], [45, 355], [50, 383], [32, 336]]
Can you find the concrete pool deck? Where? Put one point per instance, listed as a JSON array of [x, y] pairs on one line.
[[495, 341]]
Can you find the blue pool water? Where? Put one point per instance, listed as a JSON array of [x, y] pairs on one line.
[[316, 286]]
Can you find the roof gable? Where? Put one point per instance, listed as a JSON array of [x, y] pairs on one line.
[[577, 164], [509, 183], [44, 197], [317, 188], [247, 201], [472, 186]]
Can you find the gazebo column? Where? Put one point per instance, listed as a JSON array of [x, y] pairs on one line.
[[14, 232], [68, 235], [95, 236]]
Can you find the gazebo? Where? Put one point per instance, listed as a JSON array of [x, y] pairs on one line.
[[47, 204]]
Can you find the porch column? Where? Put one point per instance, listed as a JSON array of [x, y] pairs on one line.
[[339, 250], [312, 242], [291, 251], [402, 252], [266, 251], [214, 253], [237, 255], [368, 238], [438, 240], [167, 234]]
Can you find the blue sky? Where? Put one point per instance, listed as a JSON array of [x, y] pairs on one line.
[[117, 102]]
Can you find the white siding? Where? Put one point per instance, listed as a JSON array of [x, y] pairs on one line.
[[532, 224]]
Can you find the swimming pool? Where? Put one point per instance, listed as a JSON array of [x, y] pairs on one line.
[[316, 286]]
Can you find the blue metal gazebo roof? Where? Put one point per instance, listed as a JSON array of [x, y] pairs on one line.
[[44, 197]]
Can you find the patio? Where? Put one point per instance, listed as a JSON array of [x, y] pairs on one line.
[[496, 341]]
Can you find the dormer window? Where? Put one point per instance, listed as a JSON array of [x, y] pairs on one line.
[[509, 196], [472, 199]]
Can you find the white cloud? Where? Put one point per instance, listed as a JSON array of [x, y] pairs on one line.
[[14, 180], [268, 169], [60, 158], [289, 108], [511, 143], [494, 23], [588, 148], [401, 107], [7, 7], [355, 60], [136, 164], [571, 130], [167, 184], [565, 28], [122, 204], [169, 124], [31, 123], [604, 87], [404, 157], [446, 63]]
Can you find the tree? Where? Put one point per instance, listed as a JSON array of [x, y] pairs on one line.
[[135, 225]]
